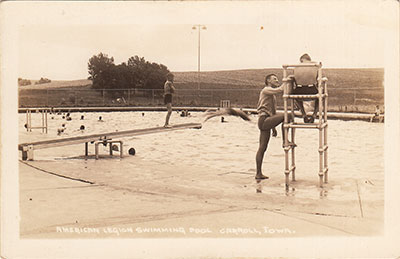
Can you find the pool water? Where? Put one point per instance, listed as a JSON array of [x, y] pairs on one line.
[[355, 154]]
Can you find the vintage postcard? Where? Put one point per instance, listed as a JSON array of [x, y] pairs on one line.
[[199, 129]]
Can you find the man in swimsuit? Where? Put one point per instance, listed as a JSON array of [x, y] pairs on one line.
[[169, 89], [377, 115], [268, 119]]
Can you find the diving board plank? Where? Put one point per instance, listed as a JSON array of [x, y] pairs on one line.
[[94, 137]]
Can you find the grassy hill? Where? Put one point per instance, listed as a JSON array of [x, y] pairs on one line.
[[338, 78], [357, 90], [58, 84]]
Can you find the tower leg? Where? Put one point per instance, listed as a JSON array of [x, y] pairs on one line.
[[326, 132], [326, 154], [293, 156], [321, 153], [286, 131]]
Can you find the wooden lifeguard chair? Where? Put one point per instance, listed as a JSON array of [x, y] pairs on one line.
[[306, 75]]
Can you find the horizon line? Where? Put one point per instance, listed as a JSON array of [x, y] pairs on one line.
[[207, 71]]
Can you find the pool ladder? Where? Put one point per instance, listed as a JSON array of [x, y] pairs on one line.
[[43, 112], [321, 125]]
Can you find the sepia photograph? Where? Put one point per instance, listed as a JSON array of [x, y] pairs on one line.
[[198, 129]]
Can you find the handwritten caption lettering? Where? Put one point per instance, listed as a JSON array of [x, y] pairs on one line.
[[228, 231]]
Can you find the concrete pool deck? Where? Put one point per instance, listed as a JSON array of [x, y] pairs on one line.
[[162, 201]]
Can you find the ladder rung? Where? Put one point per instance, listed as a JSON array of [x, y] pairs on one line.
[[291, 169], [288, 148], [306, 125], [324, 148], [303, 65]]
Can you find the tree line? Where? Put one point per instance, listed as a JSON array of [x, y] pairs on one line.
[[135, 73], [22, 82]]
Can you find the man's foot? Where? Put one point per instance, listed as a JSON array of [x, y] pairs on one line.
[[308, 119], [167, 126], [315, 116], [261, 177]]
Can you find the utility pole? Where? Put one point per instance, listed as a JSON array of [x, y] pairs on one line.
[[198, 27]]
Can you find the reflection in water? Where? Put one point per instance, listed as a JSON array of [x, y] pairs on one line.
[[323, 194], [258, 186], [290, 191]]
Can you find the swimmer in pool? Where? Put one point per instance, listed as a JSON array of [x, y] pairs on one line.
[[169, 89], [268, 119]]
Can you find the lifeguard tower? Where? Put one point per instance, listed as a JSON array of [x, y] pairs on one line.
[[305, 75]]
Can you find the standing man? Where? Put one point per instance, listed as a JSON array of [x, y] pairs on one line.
[[377, 114], [169, 89], [268, 119]]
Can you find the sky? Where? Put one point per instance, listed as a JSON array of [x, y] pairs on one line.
[[237, 35]]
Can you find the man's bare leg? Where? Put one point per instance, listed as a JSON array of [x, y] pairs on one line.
[[300, 105], [265, 134], [316, 108], [169, 107], [264, 139]]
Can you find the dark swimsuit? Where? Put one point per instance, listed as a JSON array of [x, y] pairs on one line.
[[305, 90], [167, 98], [261, 120]]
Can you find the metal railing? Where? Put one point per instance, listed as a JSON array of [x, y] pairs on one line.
[[340, 99]]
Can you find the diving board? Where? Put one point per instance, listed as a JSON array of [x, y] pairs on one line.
[[27, 148]]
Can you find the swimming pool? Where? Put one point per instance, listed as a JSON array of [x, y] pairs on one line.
[[355, 151]]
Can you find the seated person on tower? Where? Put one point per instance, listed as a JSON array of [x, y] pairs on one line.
[[310, 88]]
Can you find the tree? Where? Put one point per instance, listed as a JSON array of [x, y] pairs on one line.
[[43, 81], [22, 82], [101, 71], [137, 69], [147, 75], [136, 73]]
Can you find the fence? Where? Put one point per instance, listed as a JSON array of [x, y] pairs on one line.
[[340, 99]]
